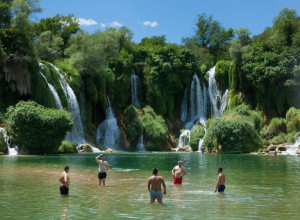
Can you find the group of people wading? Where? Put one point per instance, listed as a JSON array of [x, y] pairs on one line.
[[155, 182]]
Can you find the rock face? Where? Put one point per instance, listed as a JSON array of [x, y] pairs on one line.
[[298, 151], [109, 150], [184, 149], [84, 148]]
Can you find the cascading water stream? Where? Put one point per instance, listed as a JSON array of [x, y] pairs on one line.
[[56, 98], [291, 149], [108, 133], [12, 150], [218, 102], [77, 134], [196, 112], [140, 145], [135, 90]]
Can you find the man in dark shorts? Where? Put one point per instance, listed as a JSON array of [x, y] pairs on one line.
[[154, 187], [103, 167], [220, 182], [64, 181]]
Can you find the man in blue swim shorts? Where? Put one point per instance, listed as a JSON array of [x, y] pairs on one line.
[[220, 182], [154, 187]]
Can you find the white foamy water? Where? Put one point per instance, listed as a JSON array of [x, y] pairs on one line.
[[108, 132], [12, 150], [140, 145], [77, 133], [291, 149], [135, 90]]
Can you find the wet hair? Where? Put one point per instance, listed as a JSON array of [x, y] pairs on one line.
[[220, 169], [179, 161], [155, 171], [66, 168]]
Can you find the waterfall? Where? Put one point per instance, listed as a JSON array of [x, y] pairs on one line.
[[76, 134], [291, 149], [108, 133], [184, 108], [56, 98], [196, 111], [12, 150], [135, 90], [140, 145], [200, 144], [217, 101]]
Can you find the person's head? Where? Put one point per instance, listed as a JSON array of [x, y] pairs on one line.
[[179, 163], [67, 168], [102, 156], [155, 171], [220, 170]]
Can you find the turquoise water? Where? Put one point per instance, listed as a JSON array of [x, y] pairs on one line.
[[257, 187]]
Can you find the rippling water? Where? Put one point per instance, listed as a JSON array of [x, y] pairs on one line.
[[257, 187]]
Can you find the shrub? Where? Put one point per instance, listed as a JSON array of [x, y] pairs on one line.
[[156, 129], [133, 122], [39, 129], [3, 144], [196, 133], [293, 120], [221, 74], [233, 135], [67, 147], [276, 126]]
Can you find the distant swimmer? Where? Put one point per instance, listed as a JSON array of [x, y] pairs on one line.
[[221, 181], [154, 187], [64, 181], [103, 167], [177, 172]]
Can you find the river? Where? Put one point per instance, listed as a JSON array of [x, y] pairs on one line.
[[257, 187]]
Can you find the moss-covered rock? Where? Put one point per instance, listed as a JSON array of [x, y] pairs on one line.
[[133, 123], [3, 144], [276, 126], [196, 133], [221, 74], [67, 147], [156, 130], [293, 120]]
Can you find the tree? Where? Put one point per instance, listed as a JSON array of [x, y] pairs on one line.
[[39, 129], [5, 15], [49, 46], [60, 26], [22, 11], [211, 35]]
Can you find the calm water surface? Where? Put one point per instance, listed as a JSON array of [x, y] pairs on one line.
[[257, 187]]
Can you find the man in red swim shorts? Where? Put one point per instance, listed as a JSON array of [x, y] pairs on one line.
[[177, 172]]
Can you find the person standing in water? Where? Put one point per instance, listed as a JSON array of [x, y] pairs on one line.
[[177, 172], [64, 181], [103, 167], [220, 182], [154, 187]]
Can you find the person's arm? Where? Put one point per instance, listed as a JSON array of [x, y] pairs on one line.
[[97, 158], [149, 185], [66, 180], [109, 166], [184, 172], [218, 183], [164, 185], [173, 171]]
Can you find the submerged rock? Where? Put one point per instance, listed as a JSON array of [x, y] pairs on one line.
[[84, 148], [109, 150], [184, 149]]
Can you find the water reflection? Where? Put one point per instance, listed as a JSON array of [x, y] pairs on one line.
[[64, 207]]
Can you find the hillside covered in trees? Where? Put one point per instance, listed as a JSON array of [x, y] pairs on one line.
[[260, 75]]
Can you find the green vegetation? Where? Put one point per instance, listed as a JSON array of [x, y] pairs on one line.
[[262, 72], [237, 130], [39, 129], [133, 123], [67, 147], [156, 130], [3, 144], [196, 133]]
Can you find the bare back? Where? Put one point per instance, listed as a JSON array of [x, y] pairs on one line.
[[156, 182], [64, 179], [221, 179]]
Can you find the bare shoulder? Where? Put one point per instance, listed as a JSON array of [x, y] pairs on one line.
[[160, 177]]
